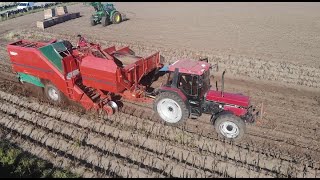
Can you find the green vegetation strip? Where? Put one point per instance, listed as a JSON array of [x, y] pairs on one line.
[[14, 162], [36, 10]]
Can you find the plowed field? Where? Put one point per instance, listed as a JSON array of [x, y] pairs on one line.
[[270, 52]]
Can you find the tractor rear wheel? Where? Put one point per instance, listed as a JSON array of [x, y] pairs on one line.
[[170, 108], [92, 21], [116, 18], [230, 126], [53, 94], [105, 21]]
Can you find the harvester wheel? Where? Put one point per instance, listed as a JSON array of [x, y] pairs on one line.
[[53, 94], [111, 107], [116, 18], [92, 21], [230, 126], [170, 108], [105, 21]]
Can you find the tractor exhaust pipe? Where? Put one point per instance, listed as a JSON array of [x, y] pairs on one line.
[[222, 86], [216, 85]]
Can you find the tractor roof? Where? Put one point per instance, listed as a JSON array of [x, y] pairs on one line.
[[190, 66]]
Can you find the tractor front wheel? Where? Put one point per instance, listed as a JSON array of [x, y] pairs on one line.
[[105, 21], [170, 108], [230, 126], [116, 18], [92, 21], [53, 94]]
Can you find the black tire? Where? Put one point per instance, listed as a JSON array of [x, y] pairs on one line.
[[180, 106], [57, 98], [116, 18], [230, 126], [68, 44], [92, 21], [105, 21]]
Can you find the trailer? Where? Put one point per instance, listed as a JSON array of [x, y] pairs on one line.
[[96, 78]]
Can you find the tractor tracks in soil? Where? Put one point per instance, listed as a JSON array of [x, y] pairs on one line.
[[157, 137]]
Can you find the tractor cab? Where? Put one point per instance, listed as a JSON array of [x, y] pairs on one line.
[[191, 79]]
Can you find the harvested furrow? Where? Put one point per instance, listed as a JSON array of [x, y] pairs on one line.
[[210, 130], [306, 134], [260, 146], [116, 148], [297, 107], [281, 113], [68, 148], [305, 124], [52, 157], [303, 101], [220, 149], [256, 137], [98, 141]]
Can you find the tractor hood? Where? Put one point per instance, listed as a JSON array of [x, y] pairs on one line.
[[228, 98]]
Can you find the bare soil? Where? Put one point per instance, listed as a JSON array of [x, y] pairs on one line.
[[270, 51]]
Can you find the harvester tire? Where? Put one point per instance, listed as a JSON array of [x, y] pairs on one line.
[[53, 94], [92, 21], [170, 109], [105, 21], [230, 126], [116, 18]]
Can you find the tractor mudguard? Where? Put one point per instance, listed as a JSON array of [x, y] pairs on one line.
[[176, 91], [226, 111], [111, 14], [215, 116]]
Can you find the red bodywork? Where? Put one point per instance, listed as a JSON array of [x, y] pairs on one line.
[[112, 71], [230, 100]]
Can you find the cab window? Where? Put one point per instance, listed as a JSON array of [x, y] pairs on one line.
[[189, 84]]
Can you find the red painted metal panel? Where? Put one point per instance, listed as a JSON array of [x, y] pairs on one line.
[[100, 74], [110, 50], [228, 98], [236, 111]]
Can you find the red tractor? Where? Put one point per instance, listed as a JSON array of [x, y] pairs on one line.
[[96, 77]]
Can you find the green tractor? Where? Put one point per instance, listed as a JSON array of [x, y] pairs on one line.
[[105, 14]]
